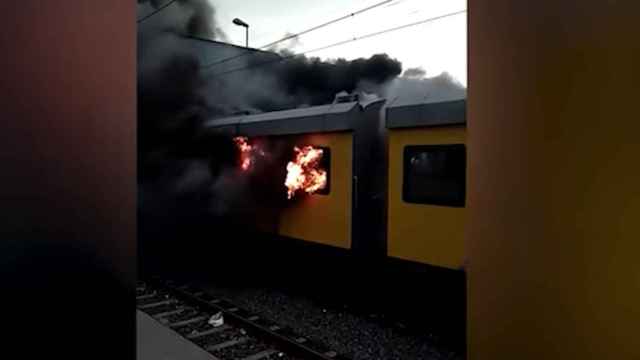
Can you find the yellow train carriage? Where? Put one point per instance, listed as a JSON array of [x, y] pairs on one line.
[[427, 183], [394, 214], [341, 130]]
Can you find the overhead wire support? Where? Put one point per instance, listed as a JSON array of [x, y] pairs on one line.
[[302, 32], [424, 21]]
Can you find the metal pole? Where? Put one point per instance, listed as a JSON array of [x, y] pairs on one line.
[[247, 37]]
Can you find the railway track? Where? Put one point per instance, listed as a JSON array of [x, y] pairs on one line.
[[242, 335]]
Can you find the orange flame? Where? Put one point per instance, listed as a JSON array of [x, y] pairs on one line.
[[303, 172], [245, 152]]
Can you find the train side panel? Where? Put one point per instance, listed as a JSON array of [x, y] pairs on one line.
[[325, 219], [429, 234]]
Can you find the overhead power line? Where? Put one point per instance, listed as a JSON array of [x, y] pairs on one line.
[[424, 21], [156, 11], [302, 32], [329, 23]]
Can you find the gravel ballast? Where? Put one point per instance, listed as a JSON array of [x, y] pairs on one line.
[[354, 336]]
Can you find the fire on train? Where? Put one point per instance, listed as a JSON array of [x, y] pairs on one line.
[[376, 198], [374, 179]]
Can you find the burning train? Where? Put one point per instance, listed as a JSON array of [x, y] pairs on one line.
[[358, 183], [377, 180], [375, 200]]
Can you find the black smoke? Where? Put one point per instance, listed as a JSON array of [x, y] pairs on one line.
[[176, 94], [312, 81], [271, 81], [174, 172], [188, 179], [194, 17]]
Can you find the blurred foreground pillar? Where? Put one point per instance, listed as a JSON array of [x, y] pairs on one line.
[[554, 223]]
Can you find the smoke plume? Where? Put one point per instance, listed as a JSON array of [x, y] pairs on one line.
[[412, 87], [415, 73], [184, 174]]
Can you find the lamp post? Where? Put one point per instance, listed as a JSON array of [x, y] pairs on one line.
[[246, 26]]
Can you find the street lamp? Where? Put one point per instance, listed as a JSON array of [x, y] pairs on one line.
[[246, 26]]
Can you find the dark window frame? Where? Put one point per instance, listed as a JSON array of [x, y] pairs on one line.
[[325, 164], [409, 150]]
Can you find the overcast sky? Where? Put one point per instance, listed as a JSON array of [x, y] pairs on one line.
[[437, 46]]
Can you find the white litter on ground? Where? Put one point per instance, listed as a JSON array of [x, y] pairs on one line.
[[216, 320]]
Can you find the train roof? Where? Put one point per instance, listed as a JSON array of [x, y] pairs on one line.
[[437, 113], [323, 118]]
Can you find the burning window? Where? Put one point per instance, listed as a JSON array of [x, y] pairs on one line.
[[435, 174], [248, 152], [308, 172], [325, 164], [245, 152]]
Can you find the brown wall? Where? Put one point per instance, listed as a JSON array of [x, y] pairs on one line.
[[68, 127], [67, 192], [554, 208]]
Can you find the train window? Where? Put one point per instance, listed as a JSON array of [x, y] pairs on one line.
[[325, 164], [435, 174]]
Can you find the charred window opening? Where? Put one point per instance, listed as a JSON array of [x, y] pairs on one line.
[[308, 172], [325, 164], [435, 175]]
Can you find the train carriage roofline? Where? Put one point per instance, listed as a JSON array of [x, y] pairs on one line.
[[427, 114], [316, 119]]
